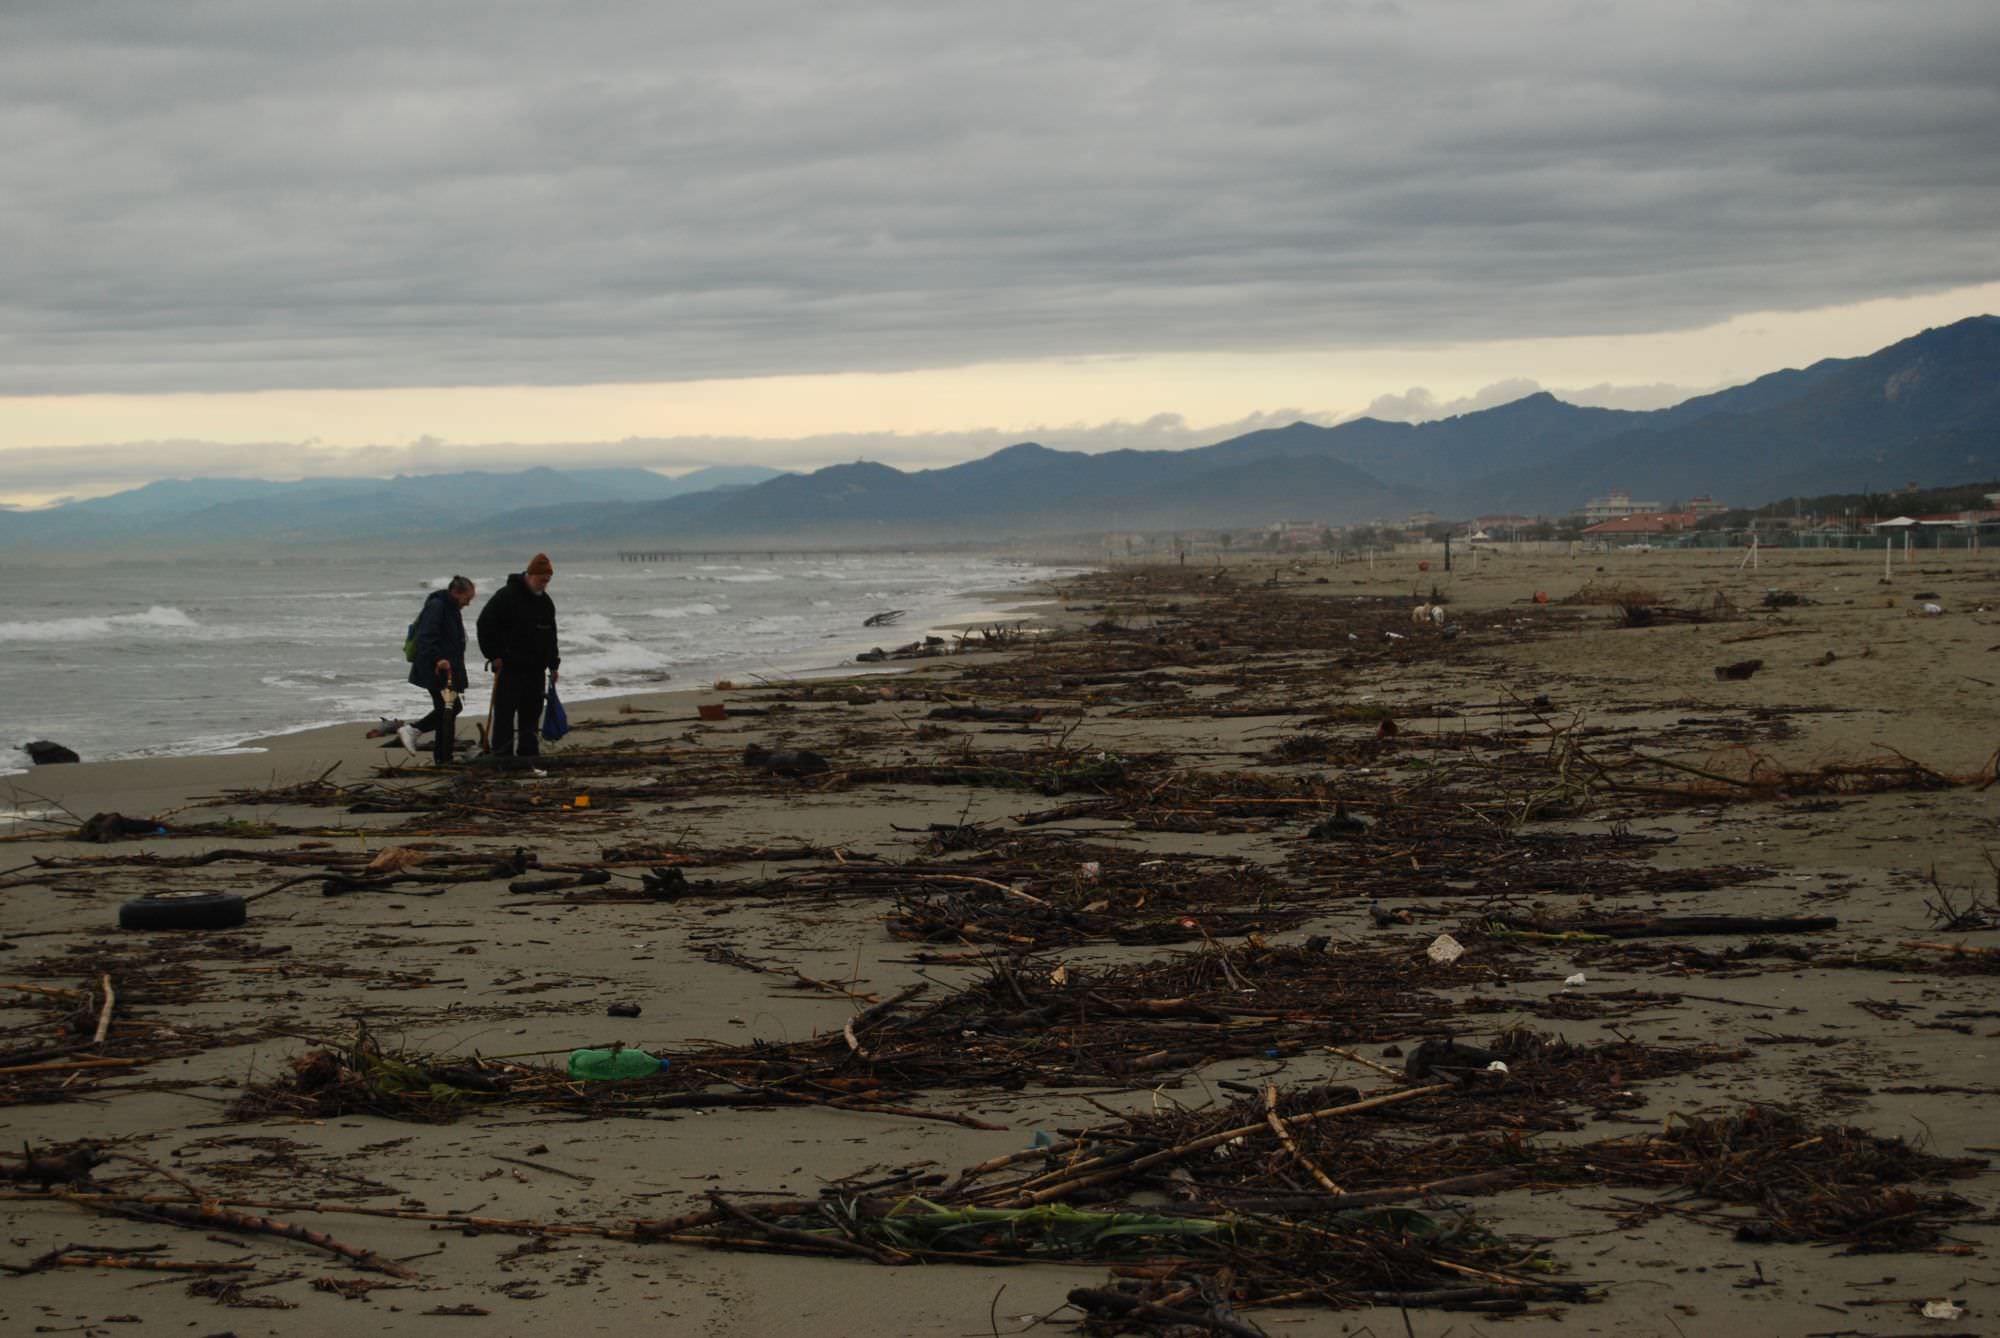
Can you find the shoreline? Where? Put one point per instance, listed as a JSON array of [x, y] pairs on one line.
[[803, 665]]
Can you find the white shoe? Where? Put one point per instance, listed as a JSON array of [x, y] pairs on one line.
[[409, 737]]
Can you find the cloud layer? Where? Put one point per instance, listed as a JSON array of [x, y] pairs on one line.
[[209, 196], [40, 474]]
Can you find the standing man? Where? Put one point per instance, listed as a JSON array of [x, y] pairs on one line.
[[439, 665], [517, 635]]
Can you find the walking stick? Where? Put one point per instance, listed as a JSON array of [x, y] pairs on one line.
[[486, 740]]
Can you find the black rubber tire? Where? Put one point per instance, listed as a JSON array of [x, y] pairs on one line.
[[200, 910]]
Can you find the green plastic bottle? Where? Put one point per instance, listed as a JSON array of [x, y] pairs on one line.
[[599, 1065]]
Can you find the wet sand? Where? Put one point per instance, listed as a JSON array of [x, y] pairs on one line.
[[478, 970]]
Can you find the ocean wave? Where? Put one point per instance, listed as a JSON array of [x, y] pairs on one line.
[[590, 626], [623, 657], [159, 618], [699, 609], [593, 646]]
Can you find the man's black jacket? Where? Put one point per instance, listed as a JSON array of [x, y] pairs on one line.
[[518, 627]]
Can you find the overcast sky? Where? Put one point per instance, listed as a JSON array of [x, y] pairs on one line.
[[1107, 211]]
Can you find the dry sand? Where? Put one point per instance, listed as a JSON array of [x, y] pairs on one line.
[[475, 970]]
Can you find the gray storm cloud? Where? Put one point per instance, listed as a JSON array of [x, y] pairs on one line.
[[212, 196]]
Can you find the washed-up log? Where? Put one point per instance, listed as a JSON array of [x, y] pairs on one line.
[[1669, 926], [103, 827], [1017, 715], [589, 878], [785, 761], [69, 1168]]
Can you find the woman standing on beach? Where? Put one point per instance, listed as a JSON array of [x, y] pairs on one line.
[[438, 665]]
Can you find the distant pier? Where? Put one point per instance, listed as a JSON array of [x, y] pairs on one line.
[[652, 555]]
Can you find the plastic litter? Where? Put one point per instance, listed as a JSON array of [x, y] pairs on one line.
[[1497, 1066], [1933, 610], [1942, 1310], [1445, 950], [1576, 979]]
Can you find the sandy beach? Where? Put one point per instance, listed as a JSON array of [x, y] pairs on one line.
[[1186, 746]]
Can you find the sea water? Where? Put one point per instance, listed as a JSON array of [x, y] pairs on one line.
[[137, 660]]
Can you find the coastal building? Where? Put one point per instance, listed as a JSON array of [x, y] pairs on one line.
[[1295, 533], [1615, 506], [1623, 530], [1704, 506]]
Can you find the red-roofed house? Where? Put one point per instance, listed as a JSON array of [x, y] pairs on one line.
[[1637, 529]]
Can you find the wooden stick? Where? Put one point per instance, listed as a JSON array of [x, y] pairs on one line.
[[1955, 949], [982, 882], [1382, 1069], [104, 1017], [1291, 1146], [57, 1065], [206, 1215], [130, 1261]]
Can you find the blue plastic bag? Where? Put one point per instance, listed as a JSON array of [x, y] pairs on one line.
[[555, 720]]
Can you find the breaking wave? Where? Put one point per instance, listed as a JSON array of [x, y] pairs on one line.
[[159, 618]]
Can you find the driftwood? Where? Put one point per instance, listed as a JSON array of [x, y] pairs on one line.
[[209, 1216], [1118, 1305], [1668, 926], [1018, 715], [1955, 949]]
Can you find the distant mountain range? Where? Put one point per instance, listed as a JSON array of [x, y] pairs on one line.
[[180, 512], [1924, 410]]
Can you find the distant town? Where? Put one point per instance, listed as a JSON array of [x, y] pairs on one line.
[[1910, 517]]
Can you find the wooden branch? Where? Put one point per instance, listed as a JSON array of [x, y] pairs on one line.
[[1291, 1145], [206, 1215], [1955, 949], [104, 1017], [57, 1065]]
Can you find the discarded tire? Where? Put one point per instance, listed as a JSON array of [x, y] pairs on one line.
[[193, 910]]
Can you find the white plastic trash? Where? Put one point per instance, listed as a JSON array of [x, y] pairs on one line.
[[1576, 979], [1942, 1310], [1933, 610], [1445, 950], [1497, 1066]]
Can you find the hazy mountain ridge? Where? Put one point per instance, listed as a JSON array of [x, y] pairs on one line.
[[1926, 409], [180, 511]]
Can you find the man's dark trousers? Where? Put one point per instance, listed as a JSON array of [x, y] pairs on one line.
[[517, 709]]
